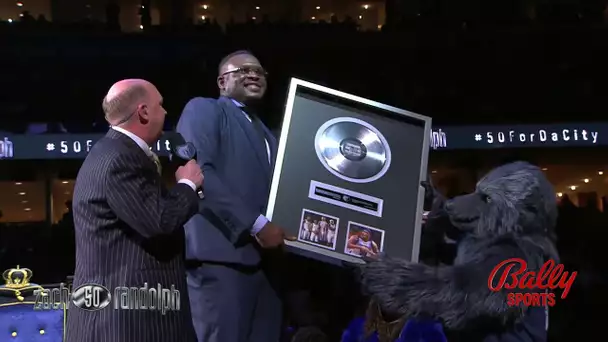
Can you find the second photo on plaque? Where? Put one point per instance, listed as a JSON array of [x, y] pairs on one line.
[[363, 241], [318, 229]]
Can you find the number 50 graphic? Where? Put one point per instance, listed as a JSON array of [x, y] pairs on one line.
[[91, 297]]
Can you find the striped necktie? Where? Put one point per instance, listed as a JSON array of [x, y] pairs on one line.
[[156, 161]]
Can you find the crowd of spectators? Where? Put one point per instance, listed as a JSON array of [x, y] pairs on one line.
[[455, 71]]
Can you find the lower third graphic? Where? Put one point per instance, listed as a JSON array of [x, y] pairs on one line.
[[93, 297], [144, 298]]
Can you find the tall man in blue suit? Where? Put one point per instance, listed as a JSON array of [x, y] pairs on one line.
[[231, 297]]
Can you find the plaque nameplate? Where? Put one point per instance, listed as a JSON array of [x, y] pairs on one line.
[[345, 198]]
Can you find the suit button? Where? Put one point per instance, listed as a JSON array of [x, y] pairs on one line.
[[41, 331], [14, 334]]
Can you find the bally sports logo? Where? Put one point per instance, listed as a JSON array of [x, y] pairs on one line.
[[550, 277]]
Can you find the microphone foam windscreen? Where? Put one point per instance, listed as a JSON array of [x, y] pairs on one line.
[[180, 148]]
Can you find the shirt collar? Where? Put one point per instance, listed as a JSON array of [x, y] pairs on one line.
[[237, 103], [139, 141]]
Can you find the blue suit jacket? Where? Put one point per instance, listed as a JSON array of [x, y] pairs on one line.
[[237, 173]]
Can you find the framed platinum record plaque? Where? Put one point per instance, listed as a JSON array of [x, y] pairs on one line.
[[347, 176]]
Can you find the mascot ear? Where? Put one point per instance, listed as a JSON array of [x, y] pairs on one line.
[[429, 194], [433, 199]]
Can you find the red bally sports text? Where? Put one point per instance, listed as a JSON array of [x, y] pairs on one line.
[[550, 277]]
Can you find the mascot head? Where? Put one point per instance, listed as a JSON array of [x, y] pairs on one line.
[[513, 198]]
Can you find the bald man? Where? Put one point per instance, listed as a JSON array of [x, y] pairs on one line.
[[129, 227], [231, 296]]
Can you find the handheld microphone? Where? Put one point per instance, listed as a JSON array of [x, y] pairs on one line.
[[182, 152]]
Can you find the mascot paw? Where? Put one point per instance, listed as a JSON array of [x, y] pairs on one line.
[[391, 283]]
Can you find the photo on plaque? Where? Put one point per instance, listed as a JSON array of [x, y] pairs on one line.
[[352, 150], [318, 229], [363, 241]]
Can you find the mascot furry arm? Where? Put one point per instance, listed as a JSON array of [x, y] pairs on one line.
[[457, 295]]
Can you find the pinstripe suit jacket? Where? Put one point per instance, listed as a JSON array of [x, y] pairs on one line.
[[129, 231]]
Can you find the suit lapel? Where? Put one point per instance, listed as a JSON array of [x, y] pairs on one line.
[[258, 144], [132, 147]]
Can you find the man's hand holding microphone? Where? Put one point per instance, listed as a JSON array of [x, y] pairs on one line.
[[183, 154], [192, 172]]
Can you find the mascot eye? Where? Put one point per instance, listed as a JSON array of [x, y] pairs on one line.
[[487, 199]]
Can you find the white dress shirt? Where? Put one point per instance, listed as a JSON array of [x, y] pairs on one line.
[[261, 221], [142, 144]]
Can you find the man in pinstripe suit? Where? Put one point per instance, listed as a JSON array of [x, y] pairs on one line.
[[128, 226]]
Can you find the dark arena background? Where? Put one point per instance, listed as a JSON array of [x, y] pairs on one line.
[[502, 80]]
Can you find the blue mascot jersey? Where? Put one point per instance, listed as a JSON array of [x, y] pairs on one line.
[[415, 330]]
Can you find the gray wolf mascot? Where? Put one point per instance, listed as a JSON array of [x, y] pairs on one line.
[[511, 214]]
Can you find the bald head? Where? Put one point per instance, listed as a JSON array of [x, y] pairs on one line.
[[123, 99]]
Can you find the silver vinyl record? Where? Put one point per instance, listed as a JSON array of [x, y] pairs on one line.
[[352, 150]]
